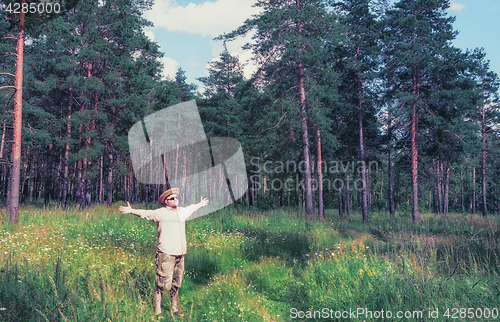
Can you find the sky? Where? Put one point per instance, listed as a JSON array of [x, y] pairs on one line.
[[185, 30]]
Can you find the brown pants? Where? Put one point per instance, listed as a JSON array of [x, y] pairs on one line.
[[169, 270]]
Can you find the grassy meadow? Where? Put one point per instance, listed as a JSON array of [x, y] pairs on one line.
[[250, 265]]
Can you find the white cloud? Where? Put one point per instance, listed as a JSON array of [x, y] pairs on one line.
[[205, 19], [170, 67], [150, 35], [457, 7]]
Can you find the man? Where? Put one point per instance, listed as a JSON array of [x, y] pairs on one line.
[[171, 248]]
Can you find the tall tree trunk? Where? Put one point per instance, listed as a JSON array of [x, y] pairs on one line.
[[25, 178], [347, 197], [440, 185], [392, 208], [341, 203], [13, 198], [305, 133], [414, 148], [446, 189], [473, 190], [462, 188], [456, 198], [320, 178], [5, 187], [483, 160], [48, 176], [66, 153], [362, 154], [435, 190], [414, 136], [109, 185], [109, 181], [80, 197], [32, 181], [101, 178], [2, 144]]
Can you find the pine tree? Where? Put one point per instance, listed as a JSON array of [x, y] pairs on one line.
[[221, 108], [488, 83], [290, 47], [15, 175], [417, 34], [361, 51]]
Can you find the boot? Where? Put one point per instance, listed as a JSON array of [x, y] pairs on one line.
[[174, 300]]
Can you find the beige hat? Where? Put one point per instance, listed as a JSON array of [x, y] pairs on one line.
[[166, 194]]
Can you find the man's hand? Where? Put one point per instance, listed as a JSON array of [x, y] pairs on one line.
[[126, 210], [203, 202]]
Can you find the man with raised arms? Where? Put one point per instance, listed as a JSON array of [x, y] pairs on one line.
[[171, 248]]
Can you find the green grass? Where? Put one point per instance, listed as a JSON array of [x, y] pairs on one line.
[[247, 265]]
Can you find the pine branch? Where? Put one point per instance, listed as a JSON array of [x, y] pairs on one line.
[[272, 127], [9, 54], [9, 37]]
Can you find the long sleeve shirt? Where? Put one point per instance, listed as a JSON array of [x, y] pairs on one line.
[[171, 227]]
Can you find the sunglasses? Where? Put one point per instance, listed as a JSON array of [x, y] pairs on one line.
[[172, 198]]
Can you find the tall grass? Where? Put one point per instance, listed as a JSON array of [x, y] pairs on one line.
[[246, 265]]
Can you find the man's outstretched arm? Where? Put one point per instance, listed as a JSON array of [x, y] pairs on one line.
[[194, 207], [147, 214], [203, 202], [126, 209]]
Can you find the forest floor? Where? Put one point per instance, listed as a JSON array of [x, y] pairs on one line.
[[251, 265]]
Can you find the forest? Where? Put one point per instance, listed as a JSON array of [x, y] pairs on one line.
[[370, 145], [356, 105]]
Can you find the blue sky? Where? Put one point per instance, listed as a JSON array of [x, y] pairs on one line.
[[184, 29]]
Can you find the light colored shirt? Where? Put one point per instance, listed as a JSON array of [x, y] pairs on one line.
[[171, 227]]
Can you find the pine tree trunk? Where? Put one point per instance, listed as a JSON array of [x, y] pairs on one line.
[[305, 133], [101, 179], [473, 190], [13, 196], [348, 198], [392, 208], [456, 198], [320, 178], [109, 181], [24, 176], [435, 194], [109, 185], [2, 144], [5, 175], [48, 176], [440, 185], [462, 189], [364, 205], [341, 203], [32, 181], [66, 154], [414, 149], [483, 161], [80, 198], [447, 189]]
